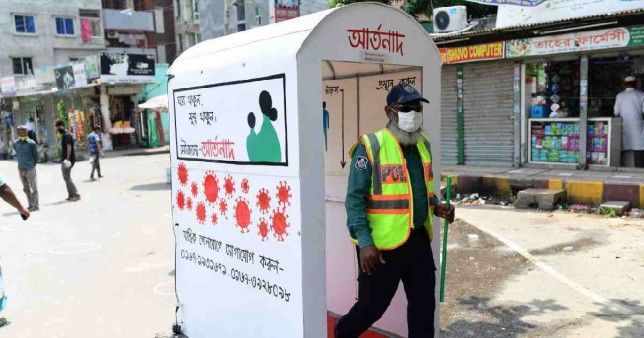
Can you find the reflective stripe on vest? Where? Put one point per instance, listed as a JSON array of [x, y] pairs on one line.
[[390, 202]]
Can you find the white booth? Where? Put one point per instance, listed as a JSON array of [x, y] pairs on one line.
[[260, 167]]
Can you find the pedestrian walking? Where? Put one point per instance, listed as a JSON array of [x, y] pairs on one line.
[[95, 150], [629, 104], [31, 129], [390, 201], [27, 156], [8, 196], [68, 159]]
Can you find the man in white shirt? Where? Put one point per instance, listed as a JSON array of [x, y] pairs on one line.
[[629, 104]]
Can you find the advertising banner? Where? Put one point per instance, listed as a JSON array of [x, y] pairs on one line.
[[127, 68], [286, 9], [481, 52], [8, 85], [64, 77], [576, 42], [204, 133], [92, 67], [70, 76], [553, 10]]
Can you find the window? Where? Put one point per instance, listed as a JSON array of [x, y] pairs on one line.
[[90, 24], [241, 12], [64, 26], [195, 9], [180, 42], [258, 17], [197, 37], [178, 7], [241, 27], [22, 66], [25, 24]]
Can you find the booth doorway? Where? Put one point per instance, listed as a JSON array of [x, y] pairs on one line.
[[353, 104]]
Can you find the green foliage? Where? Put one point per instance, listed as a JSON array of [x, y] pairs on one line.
[[607, 212], [417, 7], [62, 111]]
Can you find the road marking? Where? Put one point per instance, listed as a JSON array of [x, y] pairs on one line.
[[74, 248], [550, 270], [158, 287]]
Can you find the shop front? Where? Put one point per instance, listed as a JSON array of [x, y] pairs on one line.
[[544, 102], [569, 87]]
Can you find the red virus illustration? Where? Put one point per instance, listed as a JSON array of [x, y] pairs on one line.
[[284, 194], [279, 224], [194, 189], [182, 173], [181, 200], [245, 186], [229, 186], [263, 229], [201, 212], [211, 187], [263, 201], [189, 203], [214, 219], [223, 207], [242, 214]]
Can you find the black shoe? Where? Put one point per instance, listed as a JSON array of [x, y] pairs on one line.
[[3, 322], [92, 179]]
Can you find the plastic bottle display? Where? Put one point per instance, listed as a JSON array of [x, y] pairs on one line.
[[555, 142]]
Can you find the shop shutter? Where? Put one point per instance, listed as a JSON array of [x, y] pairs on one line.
[[487, 105], [449, 150]]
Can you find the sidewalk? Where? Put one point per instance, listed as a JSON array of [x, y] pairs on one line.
[[590, 187], [138, 152]]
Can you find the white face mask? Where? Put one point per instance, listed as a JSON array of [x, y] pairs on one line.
[[411, 121]]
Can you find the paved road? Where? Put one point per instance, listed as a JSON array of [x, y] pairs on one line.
[[101, 267], [531, 274]]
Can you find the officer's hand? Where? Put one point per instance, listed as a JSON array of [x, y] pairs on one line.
[[445, 211], [24, 213], [370, 257]]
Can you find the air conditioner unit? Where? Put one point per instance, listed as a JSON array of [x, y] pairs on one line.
[[450, 19], [112, 34]]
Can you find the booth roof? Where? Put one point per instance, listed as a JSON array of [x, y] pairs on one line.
[[304, 24]]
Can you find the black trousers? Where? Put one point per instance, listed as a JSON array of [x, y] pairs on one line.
[[96, 165], [413, 264]]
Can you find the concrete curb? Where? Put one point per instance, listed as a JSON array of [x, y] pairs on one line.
[[591, 193]]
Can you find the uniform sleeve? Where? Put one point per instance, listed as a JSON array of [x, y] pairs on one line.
[[357, 192], [434, 201]]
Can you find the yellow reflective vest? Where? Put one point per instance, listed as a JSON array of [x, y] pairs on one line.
[[390, 202]]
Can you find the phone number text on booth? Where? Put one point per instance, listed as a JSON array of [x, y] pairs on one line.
[[237, 275]]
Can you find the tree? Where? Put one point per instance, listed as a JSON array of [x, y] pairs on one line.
[[417, 7]]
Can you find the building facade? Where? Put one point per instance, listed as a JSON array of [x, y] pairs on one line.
[[219, 17], [41, 33], [140, 27], [187, 24]]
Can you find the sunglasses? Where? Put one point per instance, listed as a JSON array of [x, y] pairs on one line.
[[406, 108]]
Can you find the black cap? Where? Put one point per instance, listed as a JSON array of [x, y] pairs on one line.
[[404, 93]]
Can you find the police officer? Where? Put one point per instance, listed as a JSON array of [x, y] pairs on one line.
[[390, 205]]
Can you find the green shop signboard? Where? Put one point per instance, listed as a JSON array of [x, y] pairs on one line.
[[576, 42]]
